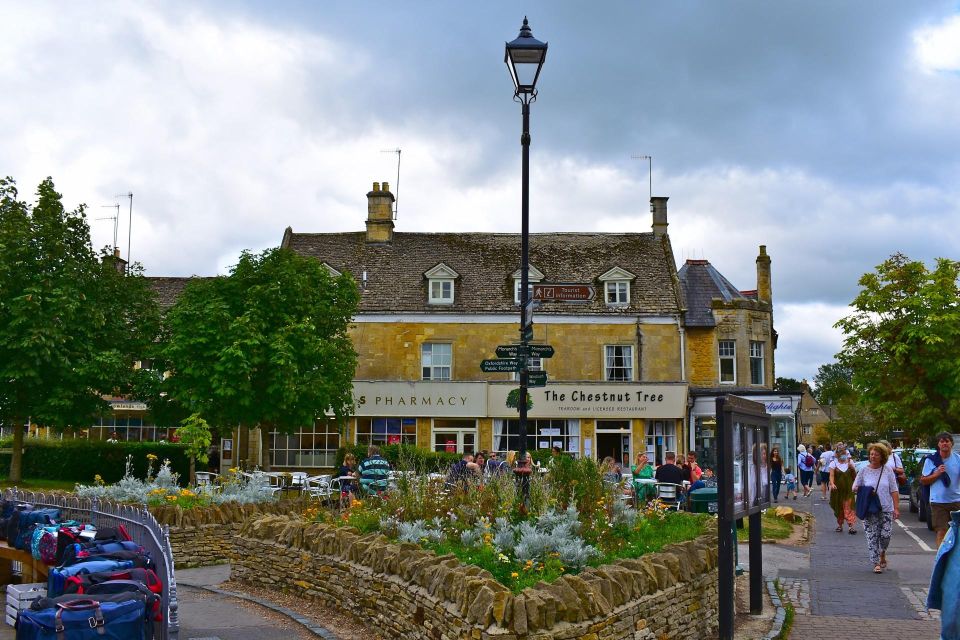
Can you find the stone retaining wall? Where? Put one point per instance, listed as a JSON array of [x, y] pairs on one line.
[[206, 535], [408, 592]]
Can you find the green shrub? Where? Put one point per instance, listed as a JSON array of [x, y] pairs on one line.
[[81, 460], [404, 456]]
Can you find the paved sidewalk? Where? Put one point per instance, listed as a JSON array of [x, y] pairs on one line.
[[834, 591]]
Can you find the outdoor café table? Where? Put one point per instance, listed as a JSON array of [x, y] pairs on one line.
[[645, 488]]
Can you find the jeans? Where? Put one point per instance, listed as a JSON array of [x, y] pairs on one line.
[[776, 477]]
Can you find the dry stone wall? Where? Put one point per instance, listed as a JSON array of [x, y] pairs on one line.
[[408, 592]]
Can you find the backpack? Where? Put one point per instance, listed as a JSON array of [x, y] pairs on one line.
[[809, 461]]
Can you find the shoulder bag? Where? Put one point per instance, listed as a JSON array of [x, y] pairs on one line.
[[868, 501]]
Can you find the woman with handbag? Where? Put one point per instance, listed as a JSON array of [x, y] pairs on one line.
[[842, 473], [878, 504]]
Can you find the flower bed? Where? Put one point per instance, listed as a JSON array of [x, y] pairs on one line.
[[570, 521]]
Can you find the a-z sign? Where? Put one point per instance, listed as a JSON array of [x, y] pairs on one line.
[[564, 292]]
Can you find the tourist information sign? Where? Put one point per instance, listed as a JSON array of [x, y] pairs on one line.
[[505, 365], [564, 292]]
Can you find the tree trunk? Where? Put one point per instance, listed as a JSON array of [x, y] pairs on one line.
[[193, 472], [16, 458], [265, 447]]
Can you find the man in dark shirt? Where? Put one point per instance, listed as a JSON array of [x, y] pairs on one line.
[[669, 471]]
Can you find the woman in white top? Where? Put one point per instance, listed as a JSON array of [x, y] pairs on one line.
[[879, 526]]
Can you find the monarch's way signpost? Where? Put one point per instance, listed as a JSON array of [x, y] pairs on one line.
[[743, 490]]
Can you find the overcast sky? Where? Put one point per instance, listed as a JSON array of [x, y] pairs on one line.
[[828, 131]]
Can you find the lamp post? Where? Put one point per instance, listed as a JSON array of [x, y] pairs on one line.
[[524, 58]]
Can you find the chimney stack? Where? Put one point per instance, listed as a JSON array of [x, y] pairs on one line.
[[380, 214], [658, 206], [764, 288]]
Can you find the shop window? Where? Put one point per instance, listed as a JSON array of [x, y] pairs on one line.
[[618, 363], [436, 359], [661, 437], [541, 434], [313, 447], [728, 361], [756, 362], [454, 436], [387, 431]]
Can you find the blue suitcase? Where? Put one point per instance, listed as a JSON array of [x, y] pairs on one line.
[[84, 620]]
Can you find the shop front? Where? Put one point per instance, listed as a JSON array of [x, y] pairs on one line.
[[596, 420], [783, 424]]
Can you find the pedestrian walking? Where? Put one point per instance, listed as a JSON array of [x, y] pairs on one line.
[[823, 464], [776, 472], [805, 464], [877, 526], [941, 472], [840, 476]]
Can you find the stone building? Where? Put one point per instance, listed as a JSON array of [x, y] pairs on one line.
[[731, 343]]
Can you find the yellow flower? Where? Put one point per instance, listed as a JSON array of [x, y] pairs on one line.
[[514, 575], [232, 470], [98, 479], [151, 456], [187, 493], [171, 498]]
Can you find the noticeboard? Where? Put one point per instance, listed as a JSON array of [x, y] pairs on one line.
[[743, 446]]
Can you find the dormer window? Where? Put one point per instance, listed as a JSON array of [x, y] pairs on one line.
[[616, 287], [333, 272], [533, 276], [440, 284]]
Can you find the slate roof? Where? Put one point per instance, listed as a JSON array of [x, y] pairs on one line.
[[168, 289], [486, 263], [702, 283]]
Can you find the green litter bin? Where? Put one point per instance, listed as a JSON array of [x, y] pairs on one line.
[[704, 500]]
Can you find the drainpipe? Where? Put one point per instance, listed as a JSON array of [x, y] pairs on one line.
[[683, 351]]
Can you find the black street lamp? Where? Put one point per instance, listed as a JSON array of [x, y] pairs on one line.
[[524, 57]]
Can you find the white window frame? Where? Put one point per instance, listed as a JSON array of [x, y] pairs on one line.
[[569, 435], [722, 357], [445, 289], [620, 290], [534, 276], [325, 439], [607, 360], [462, 430], [666, 429], [441, 277], [434, 368], [366, 430], [756, 360], [617, 281], [533, 364]]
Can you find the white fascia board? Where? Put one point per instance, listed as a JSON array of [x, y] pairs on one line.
[[511, 318]]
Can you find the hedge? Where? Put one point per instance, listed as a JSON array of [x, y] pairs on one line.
[[81, 460]]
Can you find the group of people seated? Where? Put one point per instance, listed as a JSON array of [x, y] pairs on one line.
[[644, 476]]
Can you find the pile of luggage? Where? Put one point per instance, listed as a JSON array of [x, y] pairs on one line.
[[101, 583]]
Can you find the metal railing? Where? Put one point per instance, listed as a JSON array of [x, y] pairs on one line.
[[139, 523]]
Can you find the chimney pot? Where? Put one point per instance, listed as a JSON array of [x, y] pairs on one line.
[[386, 186], [376, 186], [380, 214]]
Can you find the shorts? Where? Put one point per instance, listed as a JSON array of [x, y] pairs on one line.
[[940, 514], [825, 477], [791, 486]]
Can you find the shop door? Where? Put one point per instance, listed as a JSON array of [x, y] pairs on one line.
[[615, 445]]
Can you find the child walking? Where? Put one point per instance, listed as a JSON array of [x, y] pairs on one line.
[[791, 481]]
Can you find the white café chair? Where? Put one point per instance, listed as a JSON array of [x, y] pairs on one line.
[[670, 494], [206, 481], [320, 487]]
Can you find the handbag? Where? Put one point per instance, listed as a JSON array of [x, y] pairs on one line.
[[868, 502]]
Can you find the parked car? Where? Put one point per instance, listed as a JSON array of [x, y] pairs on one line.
[[918, 504]]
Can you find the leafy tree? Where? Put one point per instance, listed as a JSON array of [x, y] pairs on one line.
[[834, 384], [71, 323], [787, 384], [266, 346], [196, 436], [903, 346]]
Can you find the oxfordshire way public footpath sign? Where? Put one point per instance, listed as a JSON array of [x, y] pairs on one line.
[[504, 365]]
